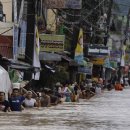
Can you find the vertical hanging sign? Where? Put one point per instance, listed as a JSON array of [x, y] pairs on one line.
[[79, 57], [23, 29], [15, 33], [21, 12]]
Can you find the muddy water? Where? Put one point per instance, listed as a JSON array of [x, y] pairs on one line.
[[108, 111]]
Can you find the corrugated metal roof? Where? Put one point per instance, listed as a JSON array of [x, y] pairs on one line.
[[6, 48], [49, 56]]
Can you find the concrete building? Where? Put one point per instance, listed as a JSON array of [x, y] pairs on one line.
[[6, 39], [7, 9]]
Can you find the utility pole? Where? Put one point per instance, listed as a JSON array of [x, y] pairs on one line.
[[127, 26], [29, 51], [123, 43], [125, 37], [76, 28], [121, 64], [109, 13], [74, 40]]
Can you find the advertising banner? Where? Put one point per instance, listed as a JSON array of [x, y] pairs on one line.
[[115, 55], [113, 64], [73, 4], [127, 58], [15, 42], [54, 4], [98, 61], [22, 42], [86, 69], [51, 43], [15, 31], [107, 63], [96, 50], [79, 49]]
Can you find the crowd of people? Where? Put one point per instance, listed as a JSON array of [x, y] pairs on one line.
[[21, 99]]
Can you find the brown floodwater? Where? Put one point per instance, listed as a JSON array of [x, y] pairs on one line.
[[108, 111]]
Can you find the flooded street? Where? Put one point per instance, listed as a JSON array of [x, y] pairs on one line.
[[109, 111]]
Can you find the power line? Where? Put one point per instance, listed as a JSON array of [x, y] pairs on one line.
[[84, 18]]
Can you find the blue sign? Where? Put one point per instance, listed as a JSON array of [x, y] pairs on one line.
[[86, 70], [96, 50]]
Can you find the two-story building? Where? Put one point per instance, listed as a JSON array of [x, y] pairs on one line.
[[6, 29]]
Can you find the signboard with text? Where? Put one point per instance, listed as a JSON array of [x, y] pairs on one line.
[[98, 61], [22, 42], [72, 4], [87, 69], [127, 58], [115, 56], [98, 50], [52, 43]]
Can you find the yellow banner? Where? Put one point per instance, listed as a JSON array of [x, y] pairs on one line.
[[79, 48], [98, 61]]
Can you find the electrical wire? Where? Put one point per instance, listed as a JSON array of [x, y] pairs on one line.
[[84, 18], [67, 22]]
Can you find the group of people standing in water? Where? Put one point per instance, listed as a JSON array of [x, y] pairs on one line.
[[21, 99]]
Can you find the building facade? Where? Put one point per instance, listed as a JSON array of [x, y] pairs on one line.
[[7, 9]]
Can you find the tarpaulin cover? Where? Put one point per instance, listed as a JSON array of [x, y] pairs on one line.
[[5, 83]]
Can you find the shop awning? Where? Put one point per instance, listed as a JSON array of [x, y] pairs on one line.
[[85, 67], [49, 56], [71, 61], [45, 56], [83, 63], [22, 66]]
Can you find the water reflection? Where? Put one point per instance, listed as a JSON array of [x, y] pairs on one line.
[[109, 111]]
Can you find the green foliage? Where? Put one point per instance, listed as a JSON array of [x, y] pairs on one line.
[[49, 79]]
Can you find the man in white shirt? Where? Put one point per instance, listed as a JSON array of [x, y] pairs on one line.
[[30, 102]]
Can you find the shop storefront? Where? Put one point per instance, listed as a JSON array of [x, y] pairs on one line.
[[84, 70], [97, 55]]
